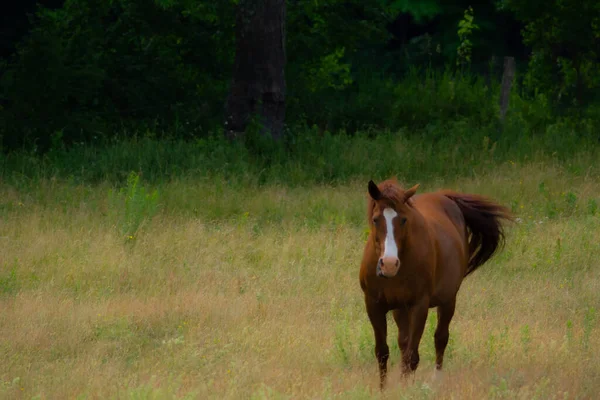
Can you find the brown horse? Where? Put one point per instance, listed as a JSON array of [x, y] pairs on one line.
[[419, 250]]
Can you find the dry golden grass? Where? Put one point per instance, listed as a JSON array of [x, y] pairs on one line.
[[226, 305]]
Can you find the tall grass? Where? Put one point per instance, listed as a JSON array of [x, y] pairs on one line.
[[239, 291], [309, 157]]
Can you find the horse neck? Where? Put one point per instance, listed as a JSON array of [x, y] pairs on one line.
[[418, 232]]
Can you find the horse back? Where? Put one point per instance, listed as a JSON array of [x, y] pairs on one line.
[[435, 207]]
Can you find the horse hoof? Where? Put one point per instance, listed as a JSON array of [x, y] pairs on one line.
[[437, 375]]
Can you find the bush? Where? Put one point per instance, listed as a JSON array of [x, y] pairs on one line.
[[91, 68]]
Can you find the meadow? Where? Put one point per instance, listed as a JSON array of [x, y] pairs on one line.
[[207, 273]]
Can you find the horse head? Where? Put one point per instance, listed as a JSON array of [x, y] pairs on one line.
[[390, 215]]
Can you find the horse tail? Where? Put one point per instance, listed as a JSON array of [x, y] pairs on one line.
[[483, 218]]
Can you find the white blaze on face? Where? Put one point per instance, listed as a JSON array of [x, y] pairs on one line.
[[390, 249]]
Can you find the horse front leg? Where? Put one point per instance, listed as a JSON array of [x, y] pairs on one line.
[[418, 318], [401, 317], [382, 352]]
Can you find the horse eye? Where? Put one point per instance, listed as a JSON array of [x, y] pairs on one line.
[[402, 221], [375, 220]]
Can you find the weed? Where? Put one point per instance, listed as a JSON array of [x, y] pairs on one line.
[[132, 206], [9, 283], [265, 392], [589, 321], [592, 207], [571, 202], [525, 338], [551, 209], [569, 333], [341, 341]]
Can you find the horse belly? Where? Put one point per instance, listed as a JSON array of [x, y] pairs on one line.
[[450, 268]]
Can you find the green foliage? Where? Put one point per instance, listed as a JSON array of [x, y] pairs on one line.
[[325, 41], [319, 28], [569, 333], [91, 71], [330, 72], [421, 10], [420, 99], [466, 26], [431, 99], [9, 283], [564, 37], [352, 343], [592, 206], [89, 68], [132, 205], [457, 147]]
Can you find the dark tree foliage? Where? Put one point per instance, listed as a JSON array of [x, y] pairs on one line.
[[86, 70], [91, 67], [565, 38], [15, 23]]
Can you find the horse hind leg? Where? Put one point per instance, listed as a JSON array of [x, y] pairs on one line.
[[445, 312]]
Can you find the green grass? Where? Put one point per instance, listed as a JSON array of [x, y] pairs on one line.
[[218, 272], [457, 147]]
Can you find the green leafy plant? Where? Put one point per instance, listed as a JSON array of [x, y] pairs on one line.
[[330, 72], [592, 206], [466, 26], [132, 205], [9, 282]]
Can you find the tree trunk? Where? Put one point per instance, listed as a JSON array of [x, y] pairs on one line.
[[258, 85], [507, 80]]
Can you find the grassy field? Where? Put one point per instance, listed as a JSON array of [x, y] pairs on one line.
[[197, 287]]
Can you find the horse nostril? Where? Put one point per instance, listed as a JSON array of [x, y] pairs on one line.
[[397, 263], [381, 261]]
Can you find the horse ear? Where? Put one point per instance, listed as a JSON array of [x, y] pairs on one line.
[[374, 191], [410, 192]]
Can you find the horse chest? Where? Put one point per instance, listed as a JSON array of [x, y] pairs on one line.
[[394, 293]]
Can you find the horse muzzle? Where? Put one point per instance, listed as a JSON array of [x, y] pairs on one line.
[[387, 267]]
